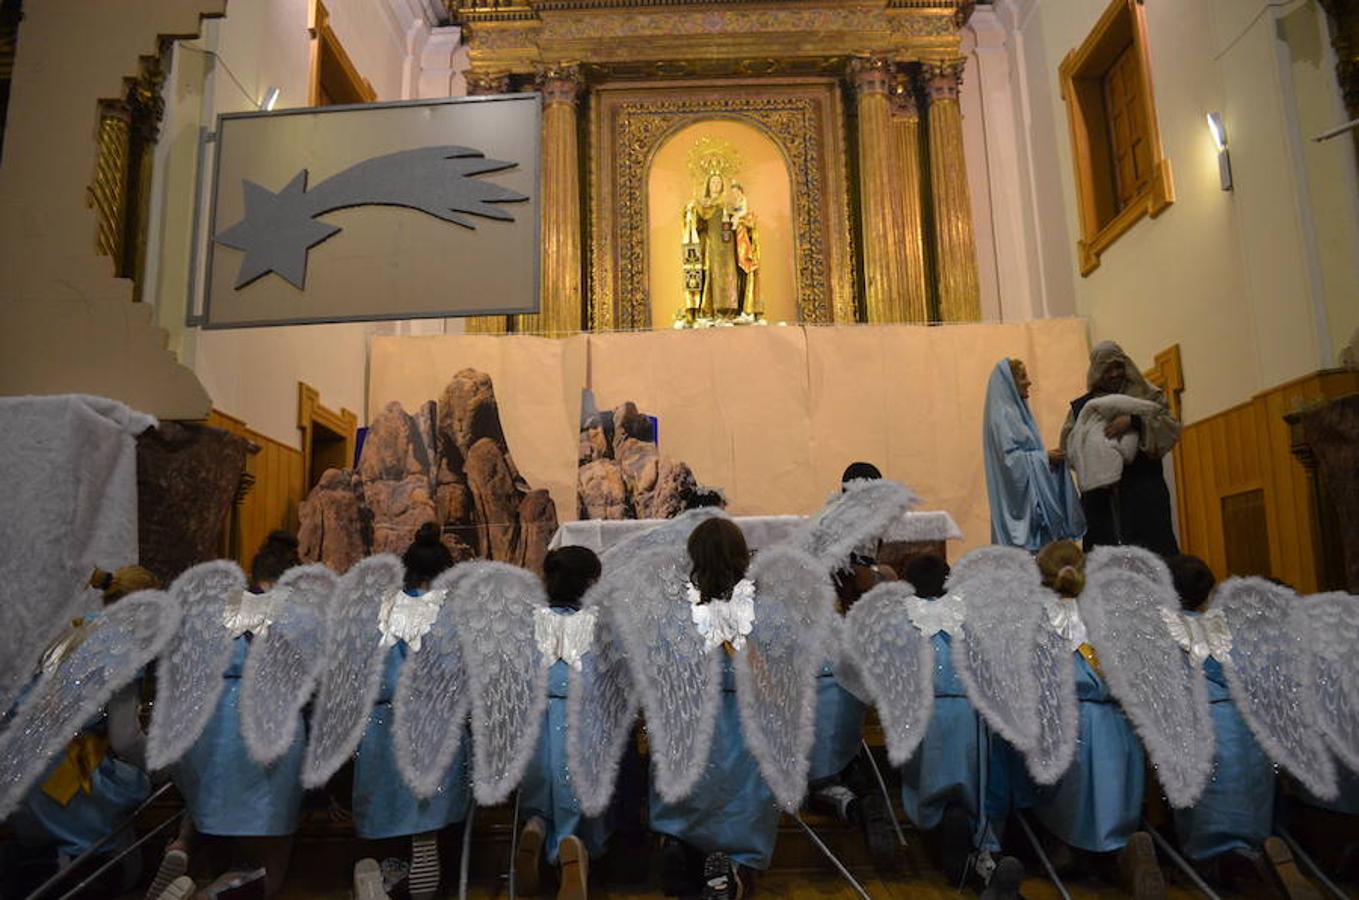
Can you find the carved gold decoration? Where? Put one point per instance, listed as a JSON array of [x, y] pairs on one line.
[[880, 221], [628, 125], [559, 306], [108, 191], [481, 84], [955, 247], [906, 127]]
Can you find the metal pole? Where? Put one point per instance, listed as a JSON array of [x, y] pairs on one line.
[[1181, 862], [466, 852], [835, 861], [1311, 864], [1042, 857], [135, 844], [882, 786], [59, 876], [514, 849]]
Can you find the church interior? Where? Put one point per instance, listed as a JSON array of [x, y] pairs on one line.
[[351, 281]]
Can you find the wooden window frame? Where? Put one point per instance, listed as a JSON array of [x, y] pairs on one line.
[[326, 44], [1082, 75]]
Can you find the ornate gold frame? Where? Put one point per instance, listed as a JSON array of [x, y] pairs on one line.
[[628, 124]]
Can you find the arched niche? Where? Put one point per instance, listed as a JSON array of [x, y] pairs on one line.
[[765, 178]]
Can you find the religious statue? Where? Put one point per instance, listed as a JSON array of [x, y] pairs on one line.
[[720, 250]]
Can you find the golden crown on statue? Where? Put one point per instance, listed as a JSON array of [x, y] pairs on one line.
[[713, 156]]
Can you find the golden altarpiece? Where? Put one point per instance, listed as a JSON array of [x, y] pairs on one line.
[[844, 114]]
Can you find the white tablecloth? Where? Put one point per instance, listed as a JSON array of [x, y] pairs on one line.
[[761, 531]]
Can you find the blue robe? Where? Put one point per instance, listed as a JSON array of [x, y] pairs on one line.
[[1236, 810], [1032, 504], [731, 809], [225, 791], [1097, 804], [383, 805], [839, 728], [117, 788], [545, 790], [946, 766]]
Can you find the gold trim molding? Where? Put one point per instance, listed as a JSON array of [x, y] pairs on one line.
[[629, 123]]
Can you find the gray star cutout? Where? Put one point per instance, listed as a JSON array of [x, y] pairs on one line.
[[276, 233]]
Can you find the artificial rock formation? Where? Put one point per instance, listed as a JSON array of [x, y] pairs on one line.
[[623, 475], [449, 463]]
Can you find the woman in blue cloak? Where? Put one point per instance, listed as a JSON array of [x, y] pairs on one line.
[[1033, 500]]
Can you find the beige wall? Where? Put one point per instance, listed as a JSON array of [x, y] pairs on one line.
[[769, 193], [1258, 284]]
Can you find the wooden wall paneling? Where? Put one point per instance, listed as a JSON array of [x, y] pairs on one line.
[[272, 500]]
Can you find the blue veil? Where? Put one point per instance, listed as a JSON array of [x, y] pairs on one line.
[[1032, 503]]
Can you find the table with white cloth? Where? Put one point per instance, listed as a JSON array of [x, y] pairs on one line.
[[912, 534]]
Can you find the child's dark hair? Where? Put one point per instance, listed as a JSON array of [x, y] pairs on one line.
[[568, 573], [927, 574], [426, 557], [1194, 581], [860, 471], [275, 556], [717, 550]]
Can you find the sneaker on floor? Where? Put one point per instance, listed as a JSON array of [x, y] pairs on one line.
[[1139, 870], [425, 874], [955, 843], [837, 800], [719, 878], [173, 864], [1287, 877], [575, 874], [368, 881], [876, 817], [180, 888], [1005, 880], [237, 886], [528, 857]]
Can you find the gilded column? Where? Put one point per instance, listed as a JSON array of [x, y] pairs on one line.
[[880, 229], [559, 312], [906, 126], [480, 84], [955, 247]]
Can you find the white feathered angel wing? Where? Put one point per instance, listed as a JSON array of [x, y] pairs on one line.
[[992, 561], [117, 645], [678, 680], [285, 661], [433, 697], [601, 706], [348, 686], [776, 670], [1158, 685], [1334, 620], [859, 514], [189, 677], [1058, 714], [670, 533], [994, 652], [895, 661], [1272, 673], [493, 605], [1130, 559]]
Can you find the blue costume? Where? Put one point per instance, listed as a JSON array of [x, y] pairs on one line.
[[1032, 503], [1097, 804], [383, 805], [1236, 810], [228, 793], [545, 790], [731, 809], [946, 766], [117, 788], [839, 728]]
